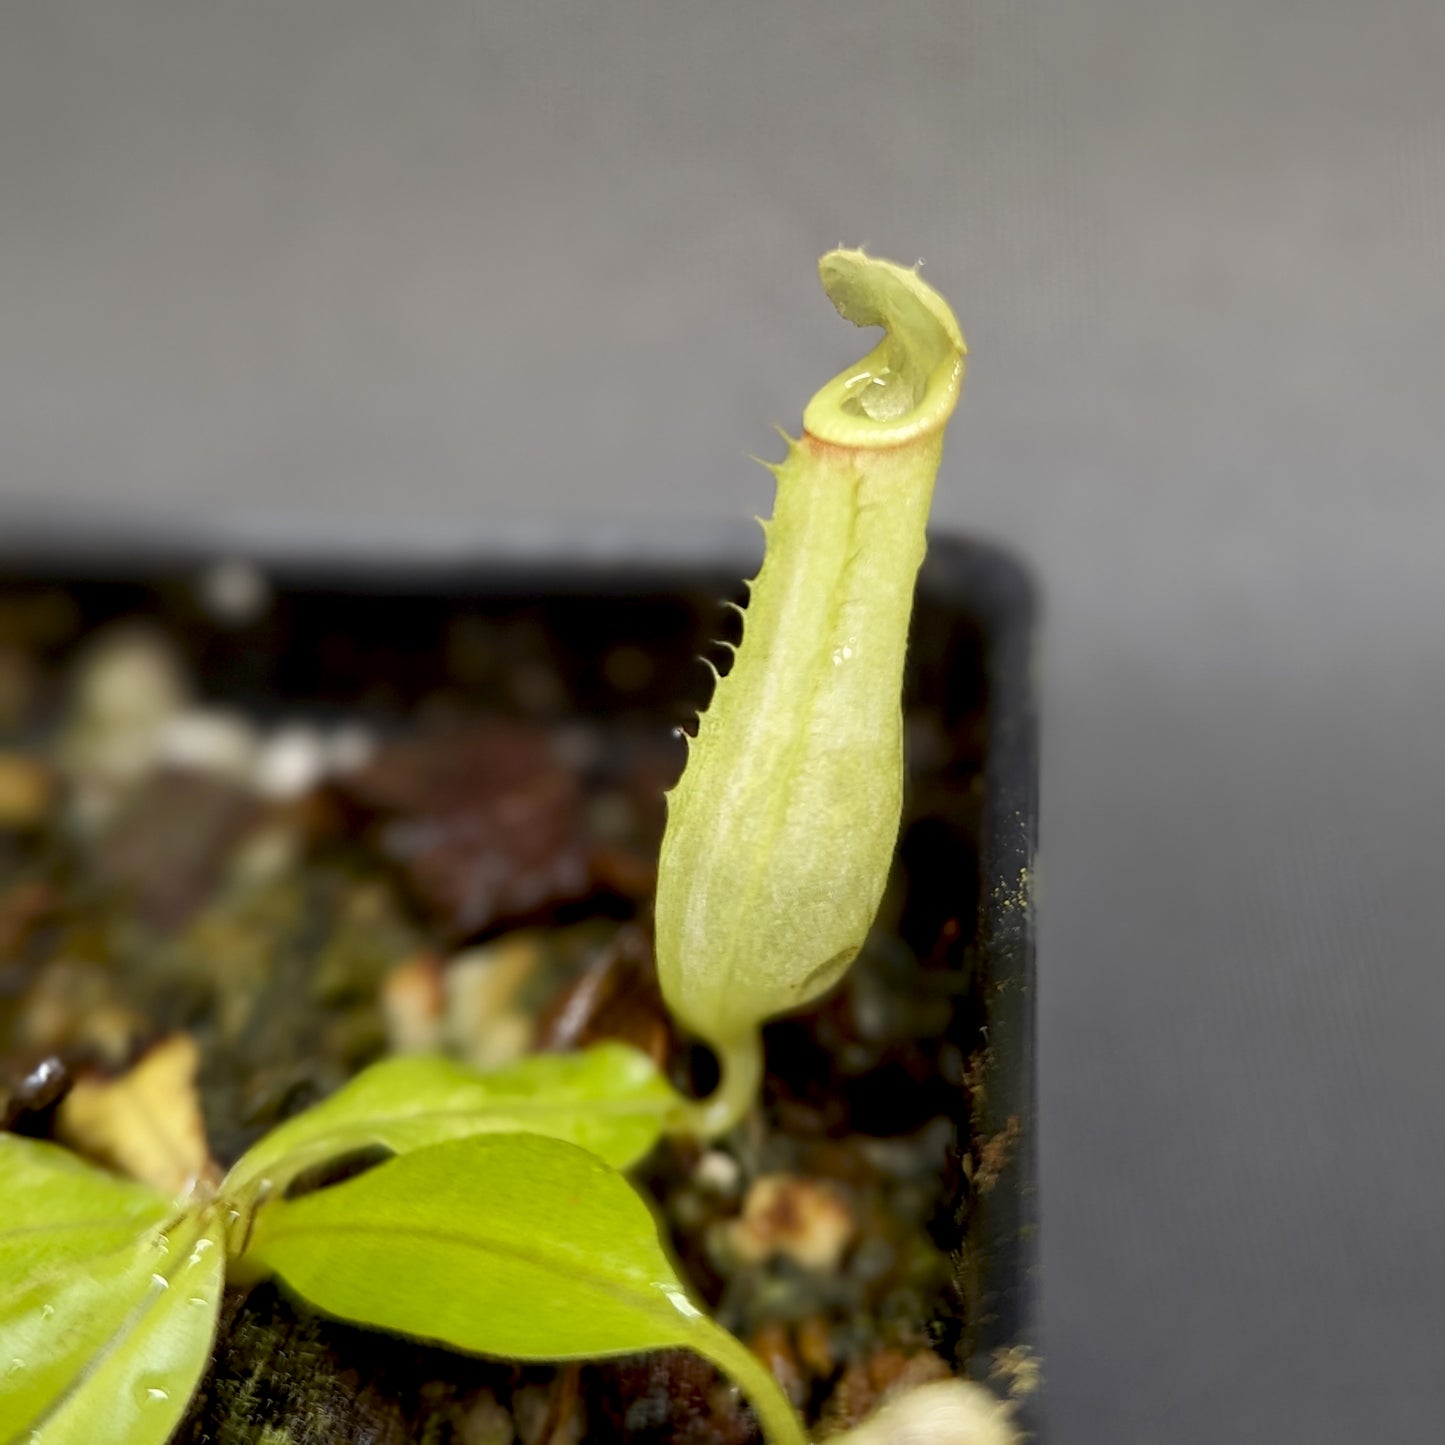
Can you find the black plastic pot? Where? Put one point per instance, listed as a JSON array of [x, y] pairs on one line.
[[972, 650]]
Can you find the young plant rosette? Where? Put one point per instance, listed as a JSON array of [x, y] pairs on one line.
[[501, 1221]]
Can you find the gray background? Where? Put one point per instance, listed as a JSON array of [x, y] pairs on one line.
[[470, 262]]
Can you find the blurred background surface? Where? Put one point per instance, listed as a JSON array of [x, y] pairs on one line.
[[452, 265]]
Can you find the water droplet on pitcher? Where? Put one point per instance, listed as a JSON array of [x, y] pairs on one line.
[[884, 395], [149, 1393], [160, 1281]]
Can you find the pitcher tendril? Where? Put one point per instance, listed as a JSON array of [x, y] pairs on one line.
[[781, 831]]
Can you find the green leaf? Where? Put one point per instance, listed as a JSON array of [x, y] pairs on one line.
[[108, 1300], [511, 1244], [609, 1099], [59, 1209], [503, 1244]]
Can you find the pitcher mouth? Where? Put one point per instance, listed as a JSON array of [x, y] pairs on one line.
[[908, 385]]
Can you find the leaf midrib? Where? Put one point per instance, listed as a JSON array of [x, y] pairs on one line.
[[649, 1294]]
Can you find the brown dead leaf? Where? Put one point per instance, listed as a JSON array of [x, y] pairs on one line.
[[147, 1122], [616, 996], [483, 818]]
